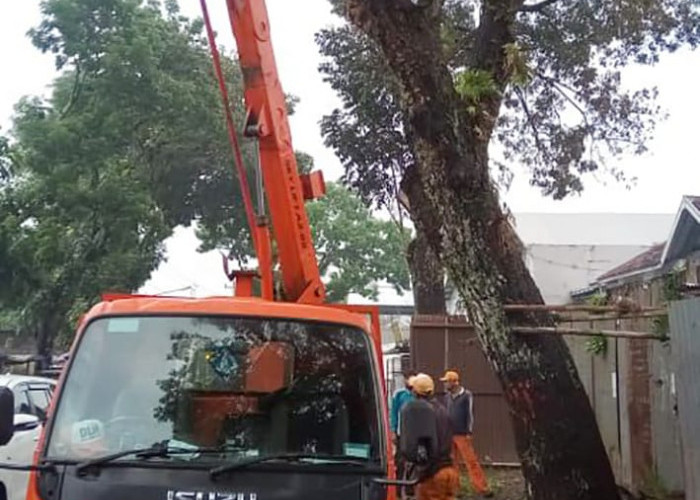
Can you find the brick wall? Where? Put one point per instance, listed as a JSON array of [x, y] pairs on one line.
[[639, 410]]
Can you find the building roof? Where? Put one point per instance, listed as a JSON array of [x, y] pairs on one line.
[[683, 240], [644, 260]]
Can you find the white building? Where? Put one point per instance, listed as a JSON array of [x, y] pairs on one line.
[[567, 252]]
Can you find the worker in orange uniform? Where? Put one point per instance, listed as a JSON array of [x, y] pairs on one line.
[[460, 406], [425, 440]]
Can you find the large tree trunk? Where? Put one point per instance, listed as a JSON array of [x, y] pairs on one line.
[[557, 437], [427, 272], [45, 334], [427, 277]]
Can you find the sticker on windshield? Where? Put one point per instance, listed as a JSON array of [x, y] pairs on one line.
[[358, 450], [87, 431], [88, 438], [222, 357], [123, 325]]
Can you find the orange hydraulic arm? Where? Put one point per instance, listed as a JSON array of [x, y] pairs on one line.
[[266, 121]]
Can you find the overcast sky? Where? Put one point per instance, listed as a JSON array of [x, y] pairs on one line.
[[668, 172]]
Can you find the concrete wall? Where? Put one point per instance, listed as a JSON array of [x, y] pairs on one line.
[[560, 269]]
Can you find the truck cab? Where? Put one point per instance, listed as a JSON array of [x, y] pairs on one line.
[[212, 399]]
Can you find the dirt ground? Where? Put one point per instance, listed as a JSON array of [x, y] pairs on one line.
[[506, 484]]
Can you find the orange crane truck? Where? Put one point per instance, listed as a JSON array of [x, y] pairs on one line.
[[276, 396]]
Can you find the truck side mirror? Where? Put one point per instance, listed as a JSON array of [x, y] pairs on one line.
[[7, 415]]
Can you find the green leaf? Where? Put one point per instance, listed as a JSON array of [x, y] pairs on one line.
[[597, 345]]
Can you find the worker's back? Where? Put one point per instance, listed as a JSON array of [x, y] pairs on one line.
[[444, 430], [425, 424]]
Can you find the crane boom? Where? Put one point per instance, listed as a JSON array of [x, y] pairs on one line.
[[267, 121]]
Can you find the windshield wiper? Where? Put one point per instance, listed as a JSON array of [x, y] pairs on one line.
[[161, 449], [157, 450], [287, 457]]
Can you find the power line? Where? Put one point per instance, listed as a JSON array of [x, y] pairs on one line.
[[176, 290], [569, 265]]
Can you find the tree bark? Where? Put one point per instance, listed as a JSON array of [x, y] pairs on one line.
[[427, 277], [45, 335], [427, 271], [557, 437]]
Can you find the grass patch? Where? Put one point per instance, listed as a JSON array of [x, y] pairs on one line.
[[654, 488], [499, 481]]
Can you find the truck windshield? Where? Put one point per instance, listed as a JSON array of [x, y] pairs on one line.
[[249, 387]]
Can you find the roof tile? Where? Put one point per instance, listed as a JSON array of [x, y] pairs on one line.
[[644, 260]]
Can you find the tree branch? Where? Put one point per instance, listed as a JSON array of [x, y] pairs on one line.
[[560, 87], [530, 120], [396, 189], [586, 333], [537, 7], [491, 36], [323, 263], [74, 94]]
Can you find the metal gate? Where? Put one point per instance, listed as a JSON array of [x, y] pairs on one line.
[[439, 343]]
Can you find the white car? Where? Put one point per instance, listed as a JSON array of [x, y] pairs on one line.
[[32, 398]]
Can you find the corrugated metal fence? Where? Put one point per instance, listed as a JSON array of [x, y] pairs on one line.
[[685, 336]]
